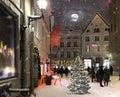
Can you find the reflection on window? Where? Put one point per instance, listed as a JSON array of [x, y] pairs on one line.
[[6, 61], [7, 53]]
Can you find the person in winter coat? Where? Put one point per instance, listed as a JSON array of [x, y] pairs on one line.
[[92, 73], [61, 71], [66, 71], [101, 75], [111, 70], [106, 76]]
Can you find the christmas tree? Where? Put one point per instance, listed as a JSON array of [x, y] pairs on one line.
[[79, 83]]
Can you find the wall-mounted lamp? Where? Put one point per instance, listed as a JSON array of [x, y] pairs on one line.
[[42, 4], [33, 18]]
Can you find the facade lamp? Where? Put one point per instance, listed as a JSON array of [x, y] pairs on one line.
[[42, 4]]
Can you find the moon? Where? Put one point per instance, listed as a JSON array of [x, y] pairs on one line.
[[74, 17]]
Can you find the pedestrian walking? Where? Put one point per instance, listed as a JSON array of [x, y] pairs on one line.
[[61, 71], [66, 71], [97, 74], [88, 69], [106, 76], [92, 73], [101, 74], [111, 70]]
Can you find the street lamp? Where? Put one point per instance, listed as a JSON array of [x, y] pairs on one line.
[[33, 18], [42, 4]]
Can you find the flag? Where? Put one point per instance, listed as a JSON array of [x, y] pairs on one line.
[[55, 36]]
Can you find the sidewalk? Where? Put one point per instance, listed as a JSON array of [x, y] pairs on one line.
[[60, 89]]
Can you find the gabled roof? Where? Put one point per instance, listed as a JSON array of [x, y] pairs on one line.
[[97, 14]]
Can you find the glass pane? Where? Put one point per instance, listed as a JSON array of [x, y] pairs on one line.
[[7, 53]]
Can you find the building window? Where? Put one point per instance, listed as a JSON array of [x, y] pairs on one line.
[[106, 38], [107, 29], [62, 54], [96, 30], [68, 54], [75, 37], [88, 31], [87, 38], [107, 47], [75, 53], [62, 44], [87, 48], [75, 44], [97, 38], [68, 37], [8, 44], [96, 48], [68, 44]]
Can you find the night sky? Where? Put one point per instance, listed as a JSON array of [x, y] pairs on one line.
[[86, 9]]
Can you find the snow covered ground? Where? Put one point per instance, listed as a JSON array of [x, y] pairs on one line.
[[60, 89]]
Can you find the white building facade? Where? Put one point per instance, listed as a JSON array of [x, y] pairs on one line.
[[95, 42]]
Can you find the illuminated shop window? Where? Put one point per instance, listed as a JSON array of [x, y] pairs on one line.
[[7, 44]]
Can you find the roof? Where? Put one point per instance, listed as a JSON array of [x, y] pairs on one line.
[[96, 14]]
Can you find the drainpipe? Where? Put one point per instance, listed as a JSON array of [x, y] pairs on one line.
[[23, 47], [32, 62], [24, 81], [27, 82]]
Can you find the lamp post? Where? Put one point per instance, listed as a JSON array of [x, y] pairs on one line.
[[42, 4]]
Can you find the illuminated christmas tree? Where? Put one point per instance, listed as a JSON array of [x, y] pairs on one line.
[[79, 80]]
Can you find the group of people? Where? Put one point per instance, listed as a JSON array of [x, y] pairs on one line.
[[101, 74], [60, 70]]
